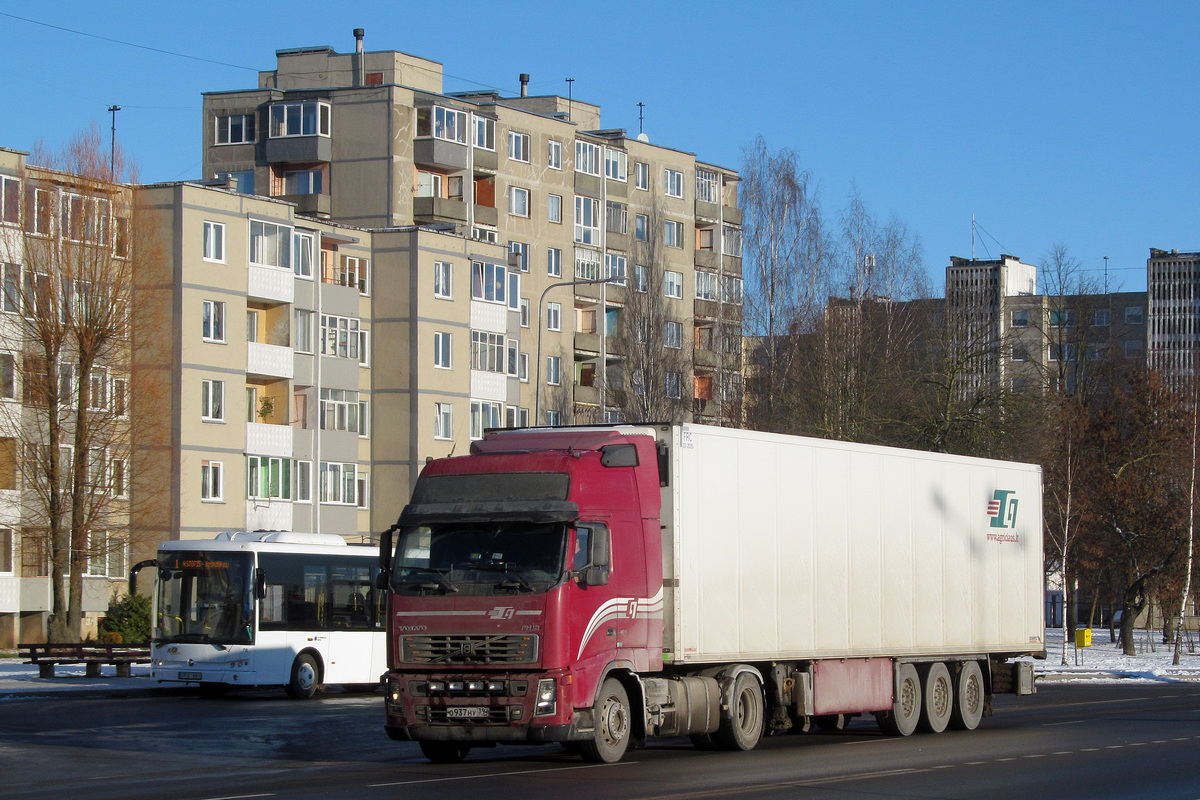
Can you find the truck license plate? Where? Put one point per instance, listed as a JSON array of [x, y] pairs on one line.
[[466, 712], [191, 676]]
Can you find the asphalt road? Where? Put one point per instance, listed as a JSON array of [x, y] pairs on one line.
[[1068, 741]]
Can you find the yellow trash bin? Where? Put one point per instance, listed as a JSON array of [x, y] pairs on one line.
[[1083, 637]]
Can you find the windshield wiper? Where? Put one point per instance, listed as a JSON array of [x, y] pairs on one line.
[[441, 581], [515, 582], [201, 638]]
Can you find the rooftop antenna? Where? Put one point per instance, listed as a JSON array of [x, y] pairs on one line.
[[641, 106], [1106, 274], [112, 156], [972, 237], [570, 91]]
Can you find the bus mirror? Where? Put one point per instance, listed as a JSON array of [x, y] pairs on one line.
[[133, 573], [260, 583]]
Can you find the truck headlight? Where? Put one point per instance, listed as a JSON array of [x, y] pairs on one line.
[[547, 697]]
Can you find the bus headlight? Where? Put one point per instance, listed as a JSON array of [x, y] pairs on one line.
[[547, 697]]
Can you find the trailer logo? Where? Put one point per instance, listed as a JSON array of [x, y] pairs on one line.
[[1002, 508]]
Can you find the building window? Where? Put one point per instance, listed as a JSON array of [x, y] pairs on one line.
[[672, 284], [302, 471], [706, 285], [443, 280], [339, 410], [673, 234], [214, 241], [672, 381], [8, 376], [514, 292], [213, 327], [302, 245], [554, 207], [487, 351], [553, 417], [523, 367], [10, 200], [354, 272], [587, 157], [641, 227], [616, 165], [364, 348], [587, 264], [212, 400], [554, 262], [614, 268], [641, 175], [1133, 315], [553, 317], [485, 133], [6, 551], [364, 418], [731, 290], [673, 335], [339, 336], [303, 181], [553, 370], [1020, 352], [521, 251], [270, 244], [518, 201], [672, 183], [511, 358], [587, 222], [554, 154], [616, 217], [309, 118], [268, 478], [9, 466], [339, 483], [443, 420], [1020, 318], [235, 129], [442, 350], [640, 279], [1101, 318], [302, 331], [485, 415], [212, 485], [488, 282], [524, 312], [707, 187], [1133, 349], [440, 122], [429, 184], [1062, 317], [518, 146], [12, 288], [732, 241]]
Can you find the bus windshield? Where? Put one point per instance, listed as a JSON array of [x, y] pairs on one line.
[[205, 597], [494, 558]]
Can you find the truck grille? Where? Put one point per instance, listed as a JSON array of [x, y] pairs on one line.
[[468, 649]]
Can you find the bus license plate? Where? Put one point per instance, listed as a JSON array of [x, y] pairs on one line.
[[466, 712], [191, 676]]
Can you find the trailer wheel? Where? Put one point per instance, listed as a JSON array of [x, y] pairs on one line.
[[303, 684], [445, 752], [969, 697], [742, 720], [906, 708], [614, 724], [938, 698]]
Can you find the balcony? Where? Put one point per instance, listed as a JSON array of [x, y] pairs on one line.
[[433, 152], [269, 361], [706, 258], [439, 209], [299, 150], [318, 205], [486, 215], [707, 212], [269, 440], [270, 283], [268, 515]]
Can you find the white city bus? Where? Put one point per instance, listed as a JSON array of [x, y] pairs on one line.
[[268, 609]]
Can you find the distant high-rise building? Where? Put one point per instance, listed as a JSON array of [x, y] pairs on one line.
[[1173, 286]]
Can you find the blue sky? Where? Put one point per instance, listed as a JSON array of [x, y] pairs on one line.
[[1051, 122]]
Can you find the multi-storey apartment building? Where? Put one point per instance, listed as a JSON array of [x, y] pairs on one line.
[[369, 139], [63, 260], [1173, 285]]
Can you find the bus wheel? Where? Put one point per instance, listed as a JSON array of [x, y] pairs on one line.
[[303, 684], [445, 752]]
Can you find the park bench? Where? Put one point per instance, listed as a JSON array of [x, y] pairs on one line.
[[48, 656]]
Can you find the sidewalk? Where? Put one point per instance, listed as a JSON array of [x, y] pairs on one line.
[[1102, 662]]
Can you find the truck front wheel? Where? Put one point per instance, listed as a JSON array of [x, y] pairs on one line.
[[742, 722], [613, 725]]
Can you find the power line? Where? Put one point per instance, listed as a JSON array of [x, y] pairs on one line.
[[126, 44]]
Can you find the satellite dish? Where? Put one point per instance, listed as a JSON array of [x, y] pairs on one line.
[[641, 137]]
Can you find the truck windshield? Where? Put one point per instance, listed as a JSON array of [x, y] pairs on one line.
[[205, 597], [480, 558]]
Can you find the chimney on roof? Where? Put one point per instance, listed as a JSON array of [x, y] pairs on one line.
[[524, 84], [360, 68]]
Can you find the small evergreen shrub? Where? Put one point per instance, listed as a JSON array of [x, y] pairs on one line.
[[127, 620]]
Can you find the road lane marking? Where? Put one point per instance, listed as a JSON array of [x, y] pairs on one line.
[[496, 774], [1069, 722]]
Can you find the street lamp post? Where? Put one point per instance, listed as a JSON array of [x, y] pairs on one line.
[[537, 387]]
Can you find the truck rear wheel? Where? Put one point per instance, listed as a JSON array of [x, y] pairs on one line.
[[969, 697], [613, 725], [938, 698], [906, 707], [742, 720]]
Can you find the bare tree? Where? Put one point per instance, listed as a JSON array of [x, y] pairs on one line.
[[654, 381], [786, 273], [70, 280]]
